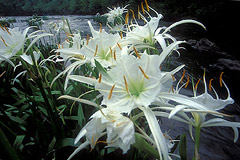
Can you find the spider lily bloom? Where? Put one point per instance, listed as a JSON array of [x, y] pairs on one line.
[[133, 82], [12, 40], [118, 129], [114, 13]]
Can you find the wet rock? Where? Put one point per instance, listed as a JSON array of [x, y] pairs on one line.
[[204, 45], [227, 64]]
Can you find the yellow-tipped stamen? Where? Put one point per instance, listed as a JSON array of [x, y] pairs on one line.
[[110, 93], [92, 140], [121, 35], [4, 42], [95, 53], [100, 78], [7, 30], [87, 38], [182, 76], [172, 90], [144, 74], [173, 78], [100, 27], [102, 142], [188, 80], [210, 85], [119, 46], [220, 79], [142, 8], [136, 52], [2, 74], [114, 55], [138, 13], [68, 35], [160, 67], [126, 18], [2, 28], [147, 5], [197, 83], [67, 40], [133, 14], [125, 82], [110, 50]]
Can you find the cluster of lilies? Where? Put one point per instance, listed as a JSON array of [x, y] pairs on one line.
[[130, 81]]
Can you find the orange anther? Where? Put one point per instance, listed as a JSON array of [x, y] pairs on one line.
[[132, 13], [187, 82], [147, 5], [144, 74], [210, 84], [136, 52], [114, 55], [182, 76], [4, 42], [95, 53], [220, 79], [197, 83], [100, 78], [142, 8], [110, 93], [119, 46], [125, 82]]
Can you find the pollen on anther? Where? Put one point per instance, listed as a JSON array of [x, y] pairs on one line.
[[87, 38], [114, 55], [119, 46], [100, 78], [144, 74], [2, 28], [136, 52], [197, 84], [147, 5], [126, 18], [125, 82], [173, 78], [210, 85], [121, 35], [187, 82], [182, 76], [4, 42], [100, 27], [132, 13], [110, 93], [220, 79], [95, 53], [142, 8], [7, 30]]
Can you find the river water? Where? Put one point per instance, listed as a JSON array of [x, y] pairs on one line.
[[216, 142]]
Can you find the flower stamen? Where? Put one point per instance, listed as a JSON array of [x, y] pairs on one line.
[[121, 35], [144, 74], [114, 55], [95, 53], [132, 13], [147, 5], [220, 79], [7, 30], [125, 82], [100, 27], [197, 83], [182, 76], [126, 18], [87, 38], [142, 8], [136, 52], [100, 78], [210, 84], [138, 12], [110, 93], [173, 78], [119, 46], [4, 42], [187, 82], [2, 28]]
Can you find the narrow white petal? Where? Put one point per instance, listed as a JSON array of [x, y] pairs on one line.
[[83, 145]]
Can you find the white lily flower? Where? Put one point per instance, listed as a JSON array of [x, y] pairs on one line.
[[118, 128], [114, 13], [28, 58], [12, 40]]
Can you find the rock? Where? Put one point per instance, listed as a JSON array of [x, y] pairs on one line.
[[229, 64]]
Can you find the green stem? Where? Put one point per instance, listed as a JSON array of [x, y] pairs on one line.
[[197, 142], [7, 147]]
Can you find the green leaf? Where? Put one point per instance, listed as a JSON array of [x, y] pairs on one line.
[[183, 147], [142, 145], [65, 142], [80, 115], [18, 141], [100, 67]]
